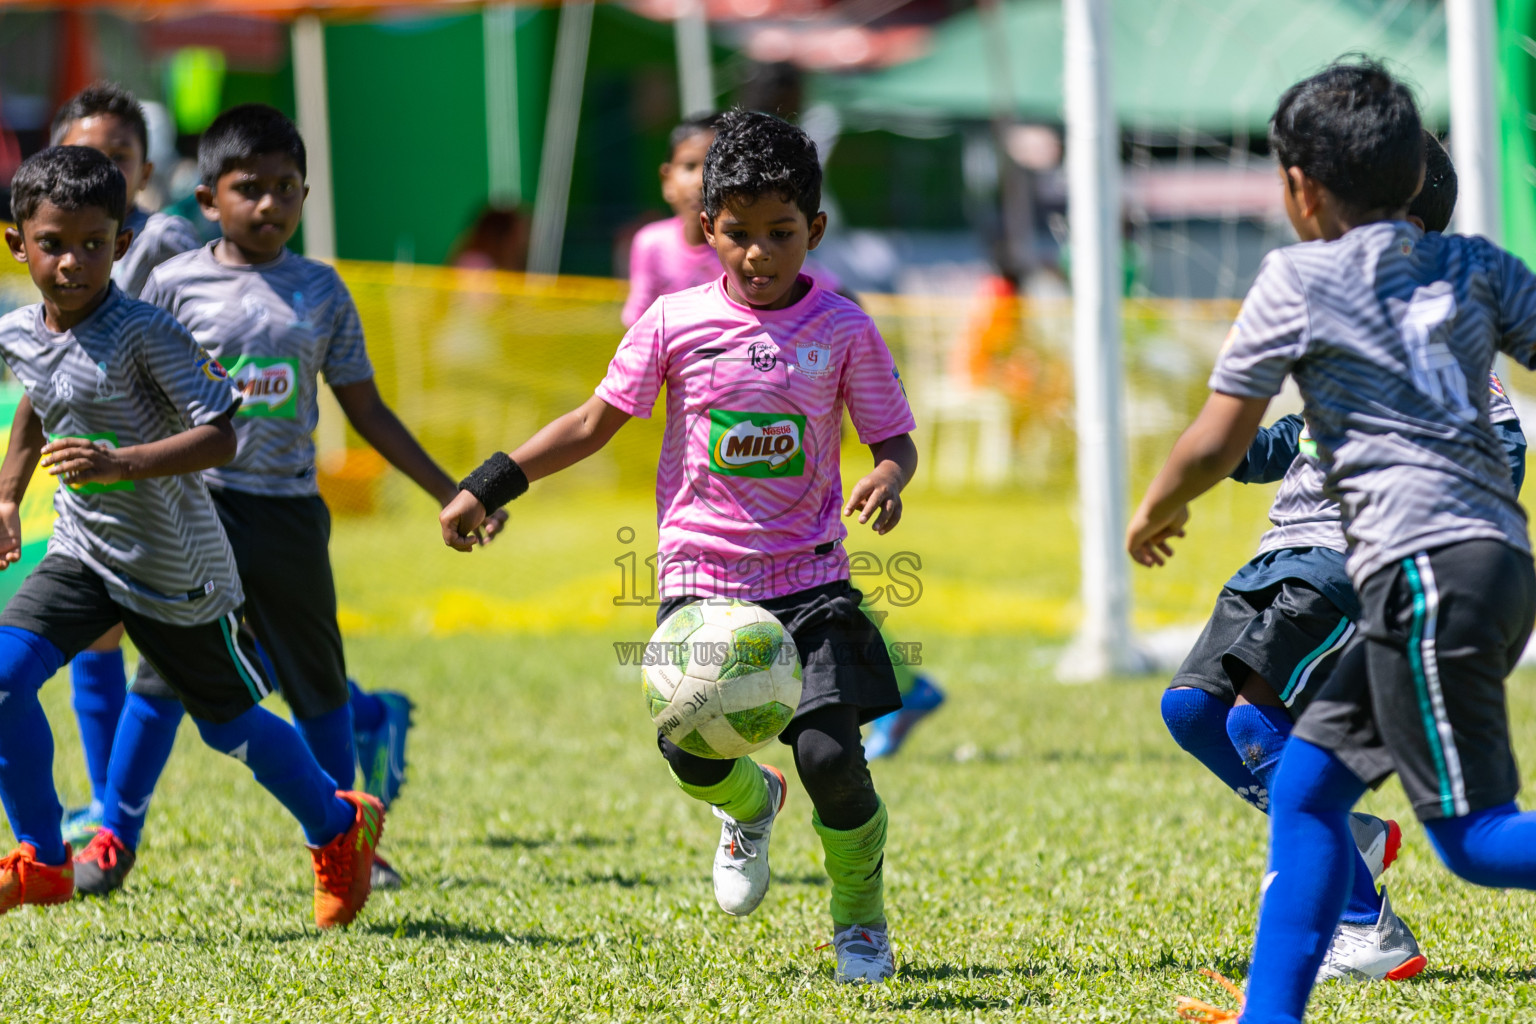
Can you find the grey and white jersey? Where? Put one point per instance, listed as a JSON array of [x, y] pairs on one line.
[[156, 238], [275, 327], [1391, 335], [1302, 513], [130, 374]]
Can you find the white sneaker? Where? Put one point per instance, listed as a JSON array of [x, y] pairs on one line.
[[1378, 841], [1384, 950], [741, 861], [863, 955]]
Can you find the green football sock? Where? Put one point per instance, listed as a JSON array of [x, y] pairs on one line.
[[855, 860], [743, 794]]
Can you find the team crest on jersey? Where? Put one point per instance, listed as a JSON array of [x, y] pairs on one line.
[[764, 357], [756, 444], [813, 360], [254, 309], [63, 386], [106, 387]]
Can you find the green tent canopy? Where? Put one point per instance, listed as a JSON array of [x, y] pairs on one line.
[[1215, 66]]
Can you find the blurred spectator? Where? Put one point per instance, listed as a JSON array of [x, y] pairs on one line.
[[497, 240]]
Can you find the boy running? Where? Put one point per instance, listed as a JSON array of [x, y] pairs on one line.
[[762, 346], [275, 322], [1390, 334], [134, 409], [108, 118], [1285, 616]]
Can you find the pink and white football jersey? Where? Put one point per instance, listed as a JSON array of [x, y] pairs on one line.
[[748, 487]]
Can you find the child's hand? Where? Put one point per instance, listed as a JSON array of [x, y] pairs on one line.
[[877, 495], [77, 461], [495, 524], [10, 534], [460, 520], [1147, 539]]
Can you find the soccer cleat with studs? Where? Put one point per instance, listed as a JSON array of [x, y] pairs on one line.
[[741, 861], [344, 866], [1378, 840], [863, 955], [24, 879], [1384, 951], [103, 865]]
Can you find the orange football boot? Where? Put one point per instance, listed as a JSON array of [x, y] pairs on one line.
[[24, 880], [344, 866]]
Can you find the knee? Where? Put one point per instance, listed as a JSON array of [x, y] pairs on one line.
[[1194, 718], [26, 660]]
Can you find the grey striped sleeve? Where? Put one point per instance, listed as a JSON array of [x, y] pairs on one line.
[[1270, 334]]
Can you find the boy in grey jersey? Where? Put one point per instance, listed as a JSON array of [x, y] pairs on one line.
[[135, 408], [276, 322], [108, 118], [1390, 334]]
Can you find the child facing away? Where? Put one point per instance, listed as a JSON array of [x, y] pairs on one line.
[[1278, 628], [1390, 334], [275, 322], [107, 117], [125, 408], [759, 346]]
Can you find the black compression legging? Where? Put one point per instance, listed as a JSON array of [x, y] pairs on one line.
[[829, 755]]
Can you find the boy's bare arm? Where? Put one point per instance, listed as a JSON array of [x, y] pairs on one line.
[[878, 496], [1202, 457], [563, 442], [21, 454], [377, 424], [79, 461]]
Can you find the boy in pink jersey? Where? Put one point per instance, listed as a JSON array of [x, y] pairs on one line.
[[673, 255], [758, 366]]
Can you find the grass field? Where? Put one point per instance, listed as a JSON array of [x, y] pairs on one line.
[[1053, 857]]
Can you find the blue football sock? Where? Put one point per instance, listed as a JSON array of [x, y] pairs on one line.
[[1258, 733], [1494, 847], [1198, 723], [367, 710], [329, 738], [1312, 860], [283, 765], [139, 755], [26, 743], [101, 687]]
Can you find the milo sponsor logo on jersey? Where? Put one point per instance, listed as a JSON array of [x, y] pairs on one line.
[[109, 439], [756, 444], [270, 386]]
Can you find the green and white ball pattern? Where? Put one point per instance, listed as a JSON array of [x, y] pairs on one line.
[[722, 678]]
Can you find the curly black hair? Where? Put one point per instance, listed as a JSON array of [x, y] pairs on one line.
[[1355, 129], [95, 100], [1436, 201], [243, 133], [71, 178], [688, 129], [756, 155]]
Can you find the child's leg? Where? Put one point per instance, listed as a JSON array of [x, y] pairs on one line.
[[140, 753], [1495, 847], [100, 689], [849, 815], [736, 787], [26, 742], [1197, 722]]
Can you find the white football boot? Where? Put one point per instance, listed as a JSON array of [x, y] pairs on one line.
[[863, 955], [1378, 841], [741, 861], [1384, 950]]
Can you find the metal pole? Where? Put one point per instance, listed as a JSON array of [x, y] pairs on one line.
[[695, 71], [505, 170], [1472, 54], [313, 101], [1103, 645], [547, 234]]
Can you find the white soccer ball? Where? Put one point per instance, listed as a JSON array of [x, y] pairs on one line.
[[721, 678]]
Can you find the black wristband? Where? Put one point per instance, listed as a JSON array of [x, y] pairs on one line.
[[497, 481]]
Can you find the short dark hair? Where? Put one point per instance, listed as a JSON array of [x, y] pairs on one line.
[[243, 133], [758, 154], [1437, 199], [95, 100], [688, 129], [71, 178], [1355, 129]]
